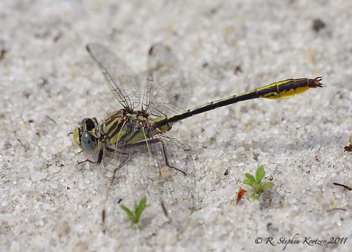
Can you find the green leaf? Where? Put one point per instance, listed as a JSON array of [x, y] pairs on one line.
[[267, 185], [140, 208], [254, 196], [256, 186], [130, 215], [259, 174], [250, 177], [247, 182]]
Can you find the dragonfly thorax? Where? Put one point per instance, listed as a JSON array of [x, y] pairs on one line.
[[126, 127]]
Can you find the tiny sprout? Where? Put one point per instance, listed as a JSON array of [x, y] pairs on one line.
[[255, 182], [136, 214]]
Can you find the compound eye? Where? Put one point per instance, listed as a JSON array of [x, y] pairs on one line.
[[88, 142], [89, 124]]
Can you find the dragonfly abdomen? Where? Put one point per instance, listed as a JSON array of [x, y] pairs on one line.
[[287, 88], [274, 91]]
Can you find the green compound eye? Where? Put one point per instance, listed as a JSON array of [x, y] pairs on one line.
[[82, 137], [88, 142]]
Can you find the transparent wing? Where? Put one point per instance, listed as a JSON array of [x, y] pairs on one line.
[[123, 83], [126, 180], [174, 176], [166, 90], [163, 170]]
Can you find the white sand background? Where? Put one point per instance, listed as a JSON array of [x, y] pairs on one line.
[[48, 84]]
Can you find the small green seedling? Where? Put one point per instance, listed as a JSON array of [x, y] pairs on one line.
[[136, 214], [255, 183]]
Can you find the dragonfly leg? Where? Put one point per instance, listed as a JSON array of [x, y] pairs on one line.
[[128, 156], [156, 141], [151, 142], [166, 160], [100, 157]]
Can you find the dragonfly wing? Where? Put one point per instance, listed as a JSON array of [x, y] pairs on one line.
[[161, 168], [127, 176], [166, 90], [123, 83], [174, 176]]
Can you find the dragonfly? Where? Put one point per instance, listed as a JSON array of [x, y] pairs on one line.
[[141, 125]]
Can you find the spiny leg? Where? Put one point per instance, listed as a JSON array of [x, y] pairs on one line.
[[156, 141], [128, 156], [100, 157], [164, 171], [153, 142], [166, 160]]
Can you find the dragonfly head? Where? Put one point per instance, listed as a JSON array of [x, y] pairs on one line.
[[83, 138]]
